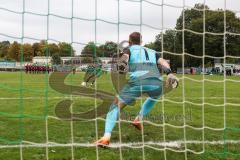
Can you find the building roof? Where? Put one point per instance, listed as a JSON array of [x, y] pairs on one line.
[[42, 57]]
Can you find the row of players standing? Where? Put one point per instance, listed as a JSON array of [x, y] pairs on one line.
[[35, 69]]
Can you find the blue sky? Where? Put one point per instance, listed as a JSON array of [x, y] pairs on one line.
[[83, 31]]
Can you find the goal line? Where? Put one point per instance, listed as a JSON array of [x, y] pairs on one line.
[[170, 144]]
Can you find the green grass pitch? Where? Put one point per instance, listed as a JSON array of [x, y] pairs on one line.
[[31, 101]]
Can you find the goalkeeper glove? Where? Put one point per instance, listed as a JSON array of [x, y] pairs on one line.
[[122, 67], [172, 80]]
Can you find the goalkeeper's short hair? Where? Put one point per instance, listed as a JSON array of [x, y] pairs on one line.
[[135, 38]]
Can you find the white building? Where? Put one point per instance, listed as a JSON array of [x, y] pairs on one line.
[[42, 60], [71, 60], [105, 60]]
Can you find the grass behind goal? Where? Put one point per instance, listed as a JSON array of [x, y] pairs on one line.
[[204, 108]]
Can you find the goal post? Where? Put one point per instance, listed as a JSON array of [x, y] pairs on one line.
[[170, 132]]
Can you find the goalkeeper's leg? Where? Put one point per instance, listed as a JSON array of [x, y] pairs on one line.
[[145, 109], [112, 117], [154, 92], [127, 96]]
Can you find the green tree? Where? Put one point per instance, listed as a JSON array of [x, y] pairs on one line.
[[53, 48], [47, 49], [107, 50], [4, 46], [193, 37], [37, 49], [90, 49], [14, 52], [151, 45], [65, 49], [232, 41], [170, 45], [214, 44], [56, 59], [27, 52]]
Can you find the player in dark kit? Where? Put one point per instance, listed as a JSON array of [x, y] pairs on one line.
[[93, 72]]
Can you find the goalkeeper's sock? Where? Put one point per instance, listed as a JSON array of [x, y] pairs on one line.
[[146, 107], [111, 119]]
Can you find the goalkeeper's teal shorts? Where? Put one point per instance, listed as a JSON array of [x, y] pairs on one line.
[[152, 87]]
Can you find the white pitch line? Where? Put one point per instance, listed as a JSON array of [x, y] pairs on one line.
[[30, 98], [17, 98], [171, 144]]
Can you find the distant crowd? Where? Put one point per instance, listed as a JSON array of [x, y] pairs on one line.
[[36, 69], [236, 70]]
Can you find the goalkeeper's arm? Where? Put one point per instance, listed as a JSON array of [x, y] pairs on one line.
[[123, 61], [164, 65], [172, 80]]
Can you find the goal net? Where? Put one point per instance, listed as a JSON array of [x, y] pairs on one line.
[[51, 116]]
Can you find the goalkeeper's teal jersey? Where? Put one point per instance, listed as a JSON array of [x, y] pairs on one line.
[[142, 63]]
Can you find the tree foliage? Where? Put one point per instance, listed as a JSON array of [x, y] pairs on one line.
[[200, 34], [14, 52], [4, 46], [56, 59], [194, 40], [27, 51], [90, 49], [65, 49], [105, 50]]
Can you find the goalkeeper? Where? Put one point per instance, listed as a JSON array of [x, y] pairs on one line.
[[144, 78]]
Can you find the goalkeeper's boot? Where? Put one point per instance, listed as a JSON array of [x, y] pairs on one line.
[[137, 124], [102, 142]]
